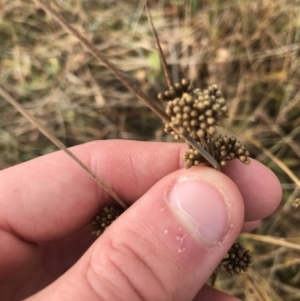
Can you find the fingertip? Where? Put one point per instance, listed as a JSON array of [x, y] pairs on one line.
[[250, 226], [259, 186]]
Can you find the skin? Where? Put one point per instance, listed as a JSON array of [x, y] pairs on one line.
[[47, 204]]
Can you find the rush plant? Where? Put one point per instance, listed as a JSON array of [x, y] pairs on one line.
[[193, 115]]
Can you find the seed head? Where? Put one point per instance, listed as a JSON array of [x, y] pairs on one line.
[[239, 259], [223, 149], [193, 110], [105, 218], [227, 148]]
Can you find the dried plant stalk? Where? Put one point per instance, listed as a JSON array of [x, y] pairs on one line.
[[162, 57], [278, 241]]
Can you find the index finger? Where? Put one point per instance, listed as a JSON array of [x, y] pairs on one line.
[[52, 194], [51, 197]]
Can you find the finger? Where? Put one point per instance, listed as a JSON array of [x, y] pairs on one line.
[[207, 293], [260, 188], [51, 197], [27, 267], [250, 226], [17, 258], [164, 247]]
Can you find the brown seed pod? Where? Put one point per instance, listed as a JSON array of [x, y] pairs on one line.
[[105, 218], [239, 259]]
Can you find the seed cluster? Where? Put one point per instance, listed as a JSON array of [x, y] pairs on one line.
[[105, 218], [223, 149], [196, 112], [239, 259]]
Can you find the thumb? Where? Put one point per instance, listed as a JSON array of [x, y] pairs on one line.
[[164, 247]]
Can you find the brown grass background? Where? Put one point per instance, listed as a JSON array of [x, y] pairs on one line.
[[251, 49]]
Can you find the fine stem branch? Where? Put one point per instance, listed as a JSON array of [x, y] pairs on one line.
[[161, 55], [278, 241]]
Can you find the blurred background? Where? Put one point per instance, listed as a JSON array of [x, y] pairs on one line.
[[251, 49]]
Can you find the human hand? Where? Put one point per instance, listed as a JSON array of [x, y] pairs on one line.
[[154, 251]]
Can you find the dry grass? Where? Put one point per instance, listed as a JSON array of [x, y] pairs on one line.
[[251, 49]]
